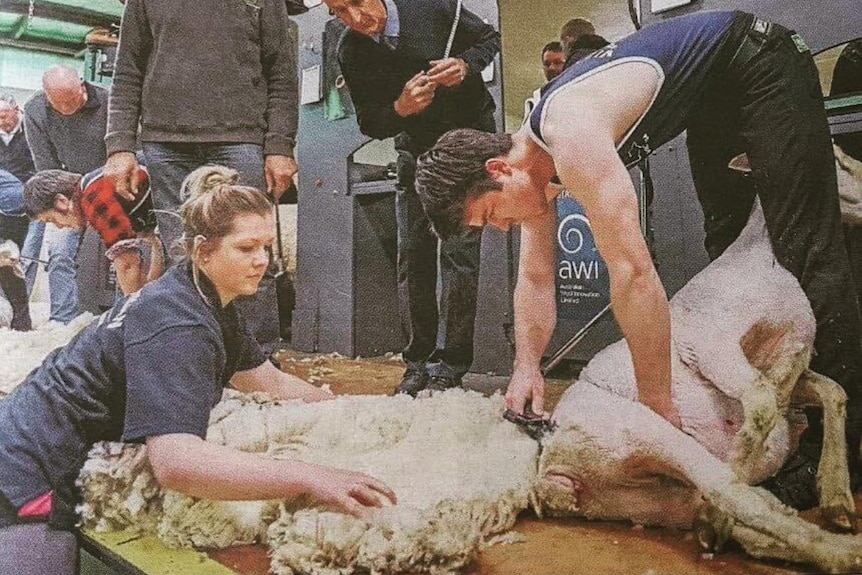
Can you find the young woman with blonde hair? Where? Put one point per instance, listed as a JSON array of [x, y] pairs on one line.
[[149, 370]]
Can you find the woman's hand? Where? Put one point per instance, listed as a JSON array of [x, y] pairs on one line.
[[188, 464], [347, 492], [268, 379], [297, 388]]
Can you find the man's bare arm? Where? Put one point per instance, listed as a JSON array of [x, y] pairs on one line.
[[591, 168], [535, 312]]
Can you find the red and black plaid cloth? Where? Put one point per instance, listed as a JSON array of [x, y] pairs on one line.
[[114, 218]]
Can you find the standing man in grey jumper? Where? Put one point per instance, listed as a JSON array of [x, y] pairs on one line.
[[65, 124], [209, 82]]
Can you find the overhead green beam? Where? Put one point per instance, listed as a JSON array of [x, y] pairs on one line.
[[71, 13], [110, 7], [19, 28], [40, 47]]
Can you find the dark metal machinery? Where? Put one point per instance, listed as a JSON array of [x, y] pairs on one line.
[[346, 291]]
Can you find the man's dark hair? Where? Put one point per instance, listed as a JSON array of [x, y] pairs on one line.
[[552, 47], [575, 28], [454, 170], [583, 47], [41, 189]]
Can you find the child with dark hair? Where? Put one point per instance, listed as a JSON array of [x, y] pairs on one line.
[[70, 200]]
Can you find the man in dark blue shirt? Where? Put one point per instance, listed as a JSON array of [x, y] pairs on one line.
[[403, 84]]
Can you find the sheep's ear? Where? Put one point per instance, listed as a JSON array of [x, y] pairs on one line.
[[18, 270]]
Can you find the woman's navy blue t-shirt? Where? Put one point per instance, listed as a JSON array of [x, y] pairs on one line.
[[154, 364]]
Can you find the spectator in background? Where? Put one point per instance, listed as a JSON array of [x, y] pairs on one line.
[[65, 124], [846, 80], [74, 201], [209, 82], [553, 60], [574, 29], [13, 226], [15, 156], [403, 85], [583, 47]]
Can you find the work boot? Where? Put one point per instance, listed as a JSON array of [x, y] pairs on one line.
[[412, 382], [795, 484], [441, 383]]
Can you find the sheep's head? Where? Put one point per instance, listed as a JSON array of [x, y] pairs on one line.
[[10, 256], [557, 489]]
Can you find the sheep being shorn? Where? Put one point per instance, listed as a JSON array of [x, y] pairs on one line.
[[742, 334], [460, 471]]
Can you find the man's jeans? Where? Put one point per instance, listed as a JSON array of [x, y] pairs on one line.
[[62, 277], [168, 165]]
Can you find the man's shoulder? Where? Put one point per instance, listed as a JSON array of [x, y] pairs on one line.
[[425, 11], [424, 6], [348, 42], [100, 92], [36, 105], [98, 88]]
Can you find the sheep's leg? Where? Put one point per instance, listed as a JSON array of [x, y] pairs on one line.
[[761, 404], [759, 522], [720, 361], [725, 365], [767, 529], [833, 478]]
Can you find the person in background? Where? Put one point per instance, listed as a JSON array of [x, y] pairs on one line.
[[16, 158], [13, 227], [15, 155], [572, 30], [392, 56], [208, 82], [553, 60], [74, 201], [585, 45], [149, 371], [65, 124]]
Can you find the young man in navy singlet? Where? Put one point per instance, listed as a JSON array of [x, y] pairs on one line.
[[737, 84]]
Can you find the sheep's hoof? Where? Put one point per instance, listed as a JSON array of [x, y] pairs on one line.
[[712, 527], [841, 516]]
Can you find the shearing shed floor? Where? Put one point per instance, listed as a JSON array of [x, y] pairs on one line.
[[549, 547]]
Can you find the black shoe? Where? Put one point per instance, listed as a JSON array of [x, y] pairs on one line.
[[412, 382], [796, 484], [440, 383]]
